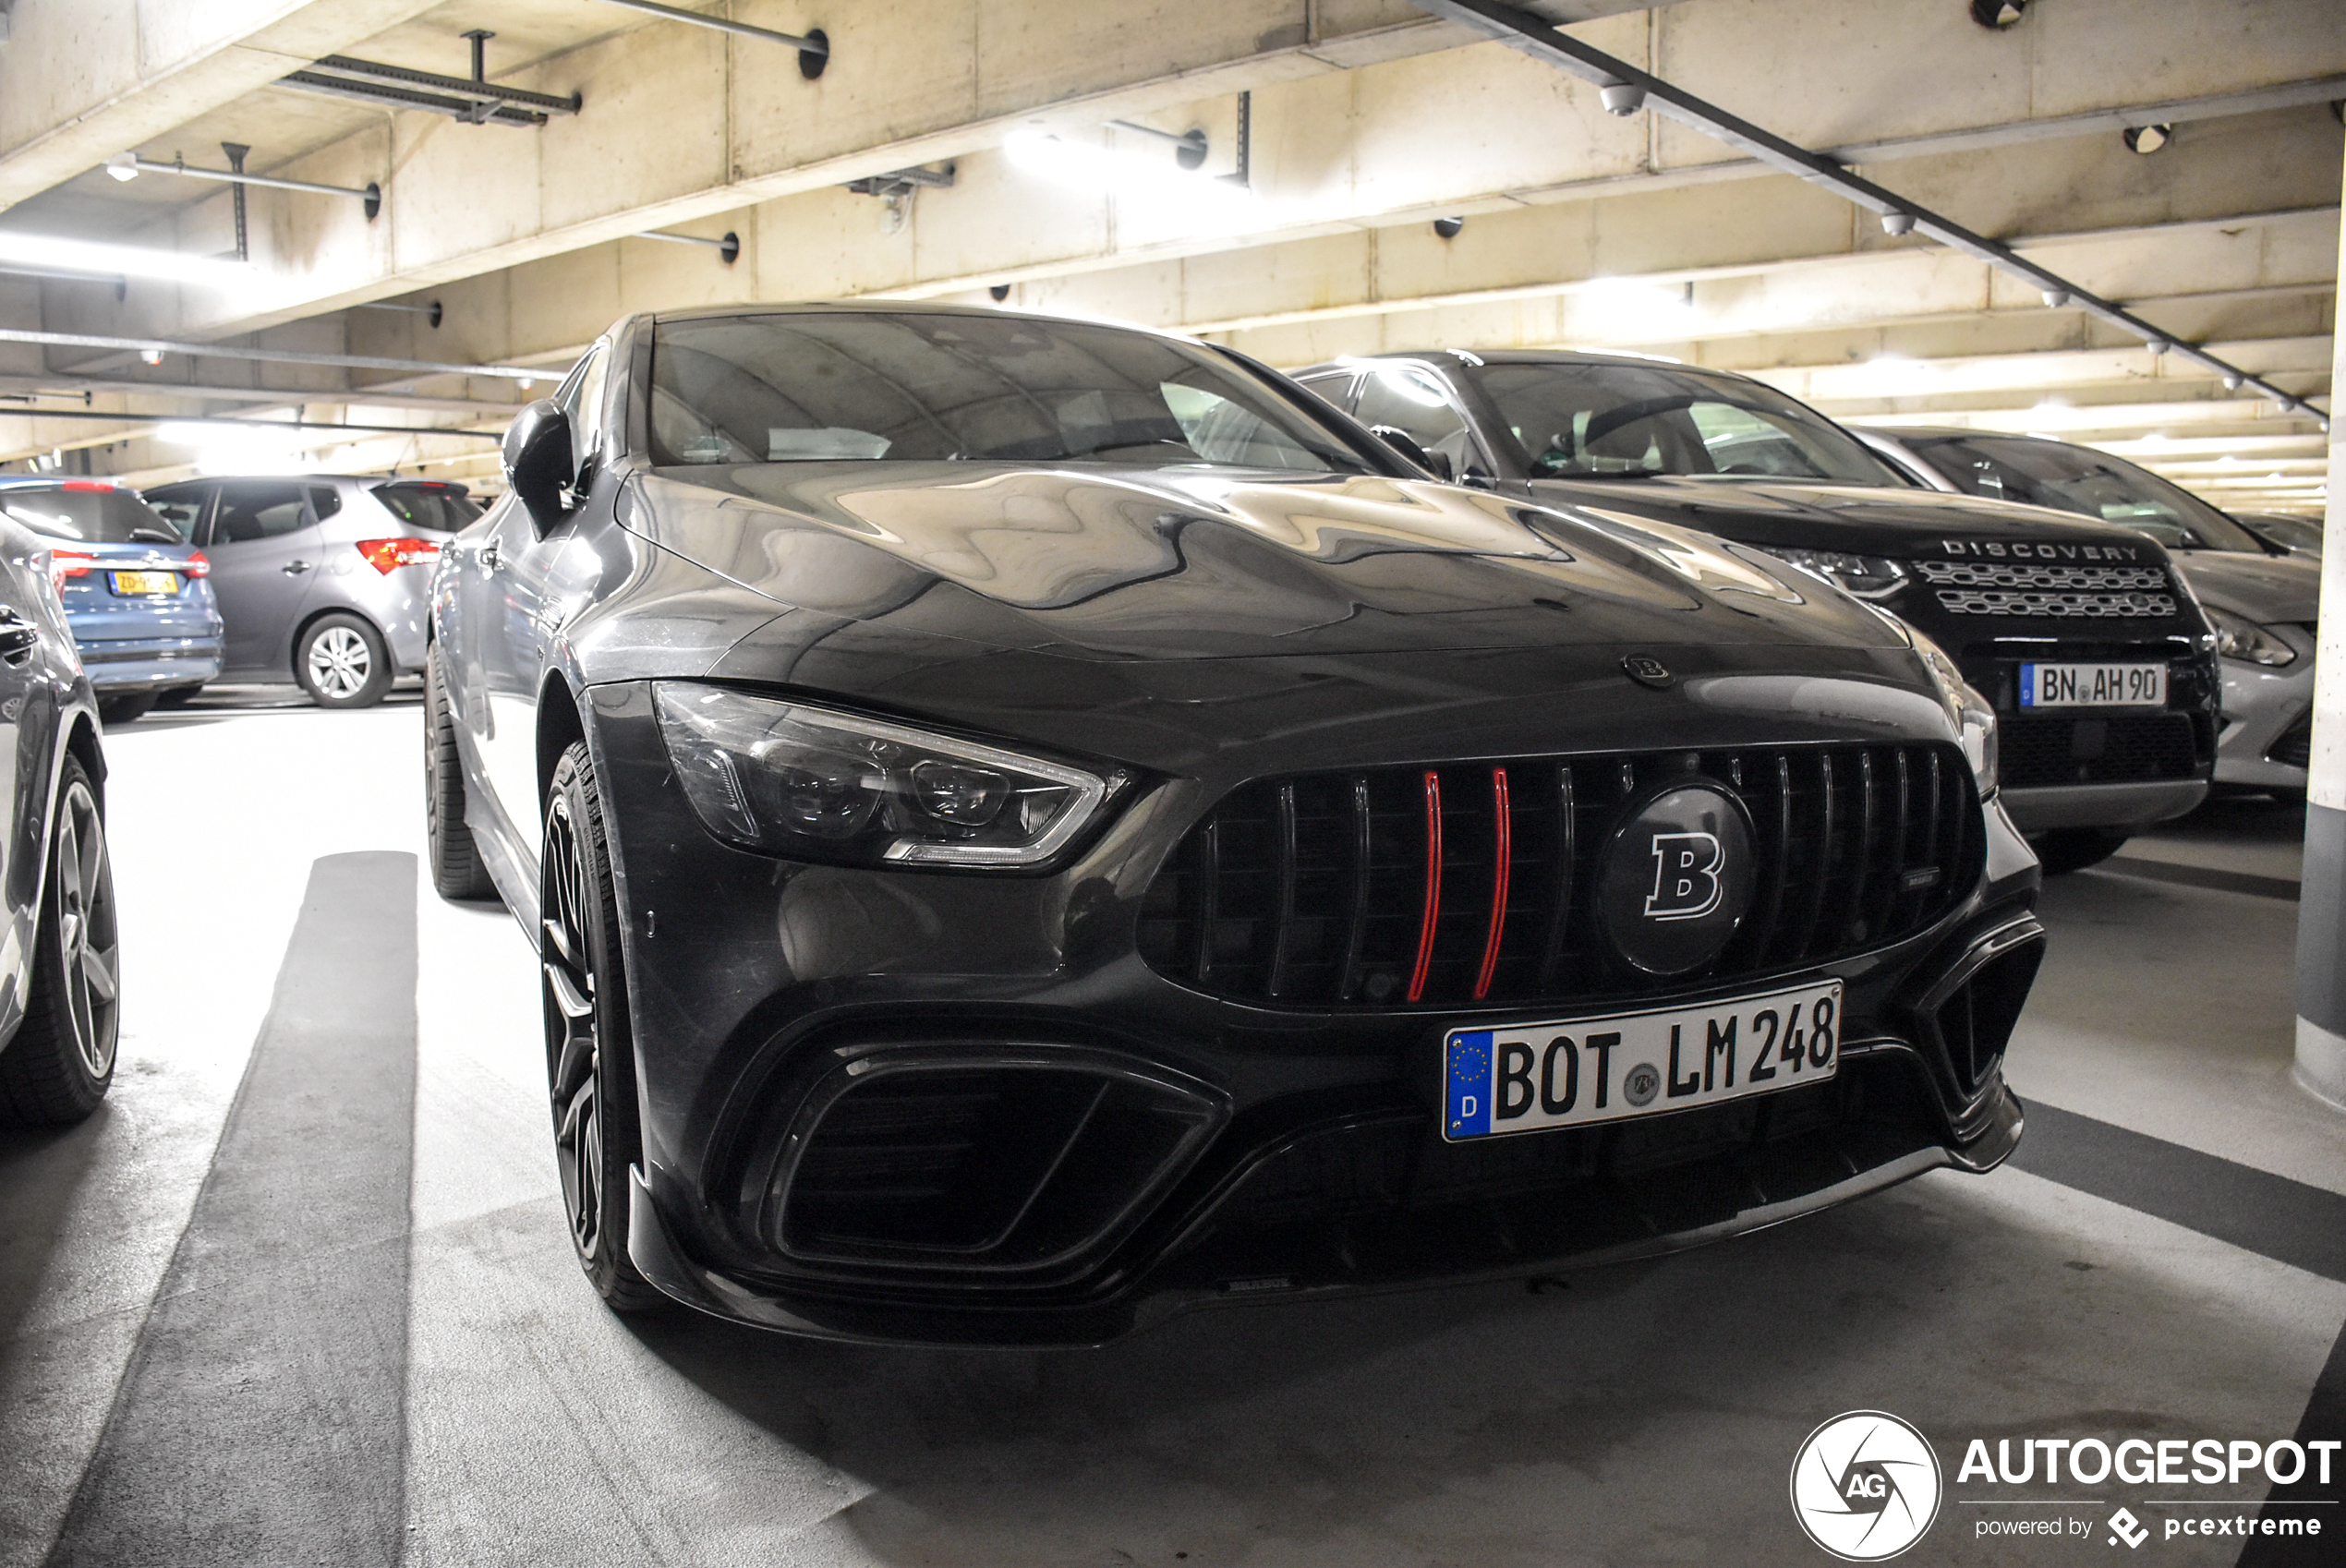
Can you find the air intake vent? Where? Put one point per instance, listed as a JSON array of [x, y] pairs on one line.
[[1975, 1024], [980, 1159], [1384, 888], [2128, 748], [2054, 593]]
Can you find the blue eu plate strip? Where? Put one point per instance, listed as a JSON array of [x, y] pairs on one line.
[[2027, 685], [1469, 1099]]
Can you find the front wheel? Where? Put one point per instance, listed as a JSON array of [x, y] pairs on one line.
[[340, 662], [589, 1048], [2074, 849], [59, 1065]]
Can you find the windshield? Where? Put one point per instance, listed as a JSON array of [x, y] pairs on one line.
[[2079, 479], [93, 514], [1593, 421], [921, 387]]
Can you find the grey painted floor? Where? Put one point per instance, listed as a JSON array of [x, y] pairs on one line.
[[1642, 1415]]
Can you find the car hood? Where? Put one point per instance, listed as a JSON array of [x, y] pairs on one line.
[[1180, 565], [2264, 588], [1900, 524]]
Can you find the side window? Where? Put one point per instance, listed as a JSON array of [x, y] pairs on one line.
[[253, 510], [1336, 387], [1407, 400], [324, 501], [182, 508]]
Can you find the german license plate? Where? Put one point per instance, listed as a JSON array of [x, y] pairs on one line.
[[2093, 685], [146, 582], [1527, 1076]]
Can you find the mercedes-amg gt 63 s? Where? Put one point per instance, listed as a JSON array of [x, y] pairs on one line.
[[2083, 635], [1031, 825]]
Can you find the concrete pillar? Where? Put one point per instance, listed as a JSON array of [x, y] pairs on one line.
[[2321, 913]]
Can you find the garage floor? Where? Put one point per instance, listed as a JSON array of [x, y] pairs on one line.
[[351, 1319]]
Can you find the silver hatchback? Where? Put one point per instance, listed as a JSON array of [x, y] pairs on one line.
[[321, 579]]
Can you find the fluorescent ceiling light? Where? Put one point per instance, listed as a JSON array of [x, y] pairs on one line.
[[1085, 166], [111, 260]]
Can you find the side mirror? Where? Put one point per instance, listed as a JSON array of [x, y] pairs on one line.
[[1400, 441], [537, 463]]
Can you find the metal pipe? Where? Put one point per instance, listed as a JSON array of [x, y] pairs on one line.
[[1531, 35], [370, 192], [813, 42], [7, 412], [1188, 146], [729, 248], [273, 356]]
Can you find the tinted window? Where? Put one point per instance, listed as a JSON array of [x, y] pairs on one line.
[[1620, 421], [922, 387], [1407, 400], [2093, 484], [437, 509], [181, 506], [252, 511], [93, 516], [324, 501]]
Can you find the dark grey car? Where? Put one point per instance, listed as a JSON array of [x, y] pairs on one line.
[[321, 579]]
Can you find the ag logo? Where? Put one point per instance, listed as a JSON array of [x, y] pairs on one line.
[[1865, 1486], [1676, 878]]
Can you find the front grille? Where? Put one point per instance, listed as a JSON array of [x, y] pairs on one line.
[[1333, 888], [2133, 748], [2295, 746], [2056, 593]]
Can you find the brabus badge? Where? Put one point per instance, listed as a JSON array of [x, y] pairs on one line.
[[1647, 671]]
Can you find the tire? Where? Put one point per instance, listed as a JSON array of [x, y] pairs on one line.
[[457, 870], [589, 1047], [340, 662], [2074, 849], [59, 1065], [177, 696], [124, 708]]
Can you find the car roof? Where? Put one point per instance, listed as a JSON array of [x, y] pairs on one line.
[[896, 307], [1947, 432], [1520, 357]]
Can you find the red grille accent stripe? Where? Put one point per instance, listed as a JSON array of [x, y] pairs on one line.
[[1498, 886], [1432, 883]]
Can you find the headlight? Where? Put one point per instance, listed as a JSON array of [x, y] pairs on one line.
[[1975, 720], [1867, 576], [2239, 637], [817, 785]]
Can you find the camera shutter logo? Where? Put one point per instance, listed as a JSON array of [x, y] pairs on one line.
[[1865, 1486]]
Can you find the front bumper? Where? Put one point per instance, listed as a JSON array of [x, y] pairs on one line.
[[2263, 707], [1235, 1150]]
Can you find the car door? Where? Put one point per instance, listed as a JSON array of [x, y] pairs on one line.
[[520, 599], [265, 543]]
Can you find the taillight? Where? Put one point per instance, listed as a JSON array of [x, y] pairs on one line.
[[388, 556], [86, 485], [197, 565], [65, 563]]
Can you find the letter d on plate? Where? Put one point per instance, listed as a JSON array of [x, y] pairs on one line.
[[1467, 1098]]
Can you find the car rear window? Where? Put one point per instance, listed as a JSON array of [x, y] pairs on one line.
[[93, 514], [439, 509]]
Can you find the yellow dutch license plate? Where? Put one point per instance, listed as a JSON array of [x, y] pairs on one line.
[[146, 582]]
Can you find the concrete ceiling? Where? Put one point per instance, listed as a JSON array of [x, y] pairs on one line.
[[1368, 120]]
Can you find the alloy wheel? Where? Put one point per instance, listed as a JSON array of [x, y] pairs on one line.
[[340, 662], [89, 948], [573, 1039]]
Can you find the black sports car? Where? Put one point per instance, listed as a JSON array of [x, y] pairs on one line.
[[1032, 824], [59, 963], [2083, 635]]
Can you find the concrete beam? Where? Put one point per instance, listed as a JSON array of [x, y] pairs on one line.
[[83, 80]]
